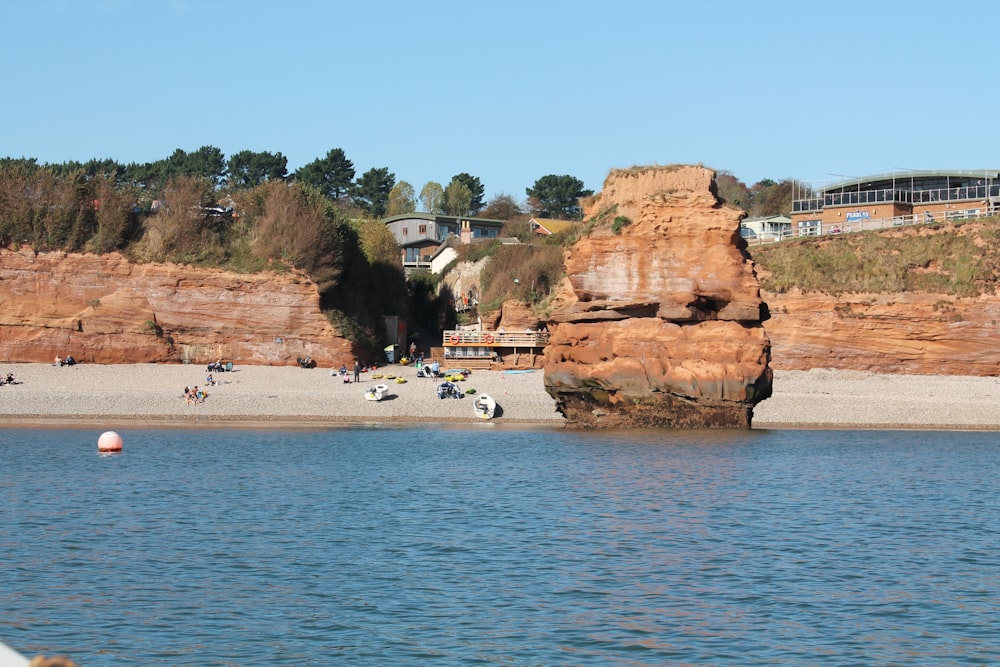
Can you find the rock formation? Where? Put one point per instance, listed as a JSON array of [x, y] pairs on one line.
[[659, 321], [516, 316], [918, 333], [104, 309]]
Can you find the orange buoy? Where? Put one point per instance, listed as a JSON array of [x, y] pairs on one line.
[[109, 442]]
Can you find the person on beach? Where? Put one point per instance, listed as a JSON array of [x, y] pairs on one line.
[[59, 361], [357, 371]]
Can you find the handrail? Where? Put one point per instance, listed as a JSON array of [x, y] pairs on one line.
[[458, 338], [868, 224], [888, 195]]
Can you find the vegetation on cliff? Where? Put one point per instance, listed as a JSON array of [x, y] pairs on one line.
[[274, 225], [527, 272], [249, 214], [959, 258]]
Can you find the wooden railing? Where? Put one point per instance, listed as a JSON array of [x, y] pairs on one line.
[[495, 338]]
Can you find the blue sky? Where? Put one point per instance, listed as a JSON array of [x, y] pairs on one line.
[[509, 91]]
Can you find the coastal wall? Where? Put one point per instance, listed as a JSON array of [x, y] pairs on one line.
[[105, 309], [659, 321]]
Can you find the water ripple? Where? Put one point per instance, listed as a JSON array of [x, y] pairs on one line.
[[385, 546]]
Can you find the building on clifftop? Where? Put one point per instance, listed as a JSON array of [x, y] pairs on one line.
[[419, 235], [894, 199]]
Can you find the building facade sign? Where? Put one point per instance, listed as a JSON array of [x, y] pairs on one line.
[[857, 216]]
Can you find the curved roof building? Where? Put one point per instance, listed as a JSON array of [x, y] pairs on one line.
[[898, 197]]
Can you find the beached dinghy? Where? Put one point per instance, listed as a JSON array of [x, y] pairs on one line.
[[449, 390], [377, 393], [485, 406]]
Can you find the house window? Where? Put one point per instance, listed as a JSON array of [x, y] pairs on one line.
[[405, 231], [423, 229]]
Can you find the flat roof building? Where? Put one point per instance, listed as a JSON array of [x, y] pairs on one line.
[[898, 197]]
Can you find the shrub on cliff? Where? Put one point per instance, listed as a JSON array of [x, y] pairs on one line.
[[958, 259], [298, 227], [525, 273], [71, 210], [176, 231]]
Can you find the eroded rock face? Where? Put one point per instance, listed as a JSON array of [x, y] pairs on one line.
[[104, 309], [516, 316], [659, 321], [919, 333]]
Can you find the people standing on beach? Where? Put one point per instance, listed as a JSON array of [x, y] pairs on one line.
[[357, 370]]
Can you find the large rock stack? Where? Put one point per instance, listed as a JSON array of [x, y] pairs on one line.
[[659, 321]]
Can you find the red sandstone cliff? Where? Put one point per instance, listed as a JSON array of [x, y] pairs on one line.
[[659, 320], [916, 333], [104, 309], [912, 330]]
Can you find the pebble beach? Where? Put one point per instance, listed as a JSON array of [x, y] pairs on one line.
[[290, 396], [257, 396]]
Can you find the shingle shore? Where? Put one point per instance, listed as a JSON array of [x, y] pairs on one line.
[[256, 394], [282, 395], [828, 398]]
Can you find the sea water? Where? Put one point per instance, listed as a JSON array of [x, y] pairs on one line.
[[501, 546]]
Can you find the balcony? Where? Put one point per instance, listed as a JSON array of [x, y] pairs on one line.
[[859, 197], [495, 339]]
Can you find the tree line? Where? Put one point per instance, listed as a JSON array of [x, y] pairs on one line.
[[182, 211], [248, 213], [763, 198], [374, 192]]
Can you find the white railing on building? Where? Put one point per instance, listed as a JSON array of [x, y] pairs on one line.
[[868, 224]]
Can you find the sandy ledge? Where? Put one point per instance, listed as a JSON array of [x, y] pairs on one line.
[[284, 397]]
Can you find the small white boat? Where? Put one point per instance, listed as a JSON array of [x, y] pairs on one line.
[[377, 393], [485, 406]]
